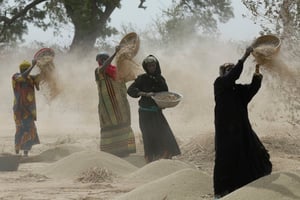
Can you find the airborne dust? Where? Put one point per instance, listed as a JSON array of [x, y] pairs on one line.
[[190, 69]]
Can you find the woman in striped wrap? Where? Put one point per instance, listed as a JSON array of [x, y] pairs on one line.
[[114, 112]]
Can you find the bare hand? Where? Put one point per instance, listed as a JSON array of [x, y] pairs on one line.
[[118, 48], [257, 69], [150, 94], [247, 53], [146, 94], [249, 50], [33, 62]]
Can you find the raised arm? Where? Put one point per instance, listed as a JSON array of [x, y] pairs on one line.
[[249, 91], [255, 83], [230, 77], [110, 59], [27, 72]]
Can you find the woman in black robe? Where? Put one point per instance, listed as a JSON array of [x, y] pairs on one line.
[[240, 157], [159, 141]]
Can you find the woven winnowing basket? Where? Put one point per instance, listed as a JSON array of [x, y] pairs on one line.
[[128, 69], [266, 47], [130, 45], [267, 39], [163, 100]]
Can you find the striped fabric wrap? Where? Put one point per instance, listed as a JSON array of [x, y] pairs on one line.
[[115, 121], [119, 141]]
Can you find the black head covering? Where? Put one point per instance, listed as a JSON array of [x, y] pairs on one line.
[[225, 67], [102, 56], [150, 59]]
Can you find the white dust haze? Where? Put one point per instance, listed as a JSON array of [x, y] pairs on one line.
[[189, 69]]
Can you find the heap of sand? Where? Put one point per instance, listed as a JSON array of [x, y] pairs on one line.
[[189, 184], [283, 185], [72, 166]]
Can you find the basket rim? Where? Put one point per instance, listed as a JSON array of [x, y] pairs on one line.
[[261, 39], [177, 94], [36, 55], [136, 44]]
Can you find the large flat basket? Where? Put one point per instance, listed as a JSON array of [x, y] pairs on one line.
[[167, 99], [130, 45], [265, 48], [44, 52]]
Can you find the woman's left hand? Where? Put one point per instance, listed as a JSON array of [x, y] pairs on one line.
[[150, 94]]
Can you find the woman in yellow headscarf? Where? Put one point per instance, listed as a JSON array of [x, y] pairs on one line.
[[25, 107]]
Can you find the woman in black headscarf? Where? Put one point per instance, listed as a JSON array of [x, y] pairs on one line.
[[159, 141], [240, 156]]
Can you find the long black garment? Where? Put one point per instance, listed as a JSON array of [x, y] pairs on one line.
[[157, 135], [240, 156]]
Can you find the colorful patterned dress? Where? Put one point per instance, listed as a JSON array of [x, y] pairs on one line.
[[114, 114], [24, 109]]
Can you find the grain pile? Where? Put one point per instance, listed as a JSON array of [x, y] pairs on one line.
[[199, 151]]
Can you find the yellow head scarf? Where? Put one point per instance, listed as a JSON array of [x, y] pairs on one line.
[[24, 65]]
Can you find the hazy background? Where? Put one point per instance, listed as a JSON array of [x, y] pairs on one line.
[[190, 69]]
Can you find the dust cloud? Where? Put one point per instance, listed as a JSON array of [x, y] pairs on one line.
[[190, 69]]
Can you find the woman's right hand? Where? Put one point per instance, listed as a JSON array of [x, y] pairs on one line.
[[146, 94], [257, 69], [247, 53], [150, 94], [118, 48], [249, 50], [33, 62]]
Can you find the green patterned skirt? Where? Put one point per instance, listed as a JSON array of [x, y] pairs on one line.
[[115, 121]]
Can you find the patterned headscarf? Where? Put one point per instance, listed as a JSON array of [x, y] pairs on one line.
[[24, 65]]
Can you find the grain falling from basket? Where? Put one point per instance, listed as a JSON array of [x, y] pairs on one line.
[[264, 54], [265, 49], [48, 74]]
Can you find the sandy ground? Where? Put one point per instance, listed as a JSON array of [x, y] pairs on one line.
[[73, 168]]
